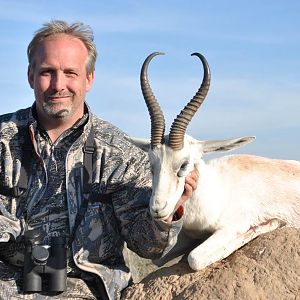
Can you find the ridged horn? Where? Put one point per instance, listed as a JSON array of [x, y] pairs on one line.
[[179, 125], [156, 115]]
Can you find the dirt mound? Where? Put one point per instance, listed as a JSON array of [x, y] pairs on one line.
[[266, 268]]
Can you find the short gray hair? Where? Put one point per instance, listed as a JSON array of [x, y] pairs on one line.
[[79, 30]]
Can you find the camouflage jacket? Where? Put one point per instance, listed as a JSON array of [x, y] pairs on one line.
[[120, 171]]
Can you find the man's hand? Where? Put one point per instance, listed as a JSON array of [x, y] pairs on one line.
[[189, 187]]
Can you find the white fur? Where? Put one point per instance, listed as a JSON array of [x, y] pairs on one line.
[[238, 197]]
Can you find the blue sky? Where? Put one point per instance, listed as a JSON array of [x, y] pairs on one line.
[[253, 49]]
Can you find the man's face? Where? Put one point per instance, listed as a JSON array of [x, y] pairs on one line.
[[59, 80]]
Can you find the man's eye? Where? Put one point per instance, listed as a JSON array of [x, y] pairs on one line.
[[45, 73], [71, 74]]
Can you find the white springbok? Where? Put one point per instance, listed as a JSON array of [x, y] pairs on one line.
[[238, 197]]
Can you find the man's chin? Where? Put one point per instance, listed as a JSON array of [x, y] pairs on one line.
[[58, 114]]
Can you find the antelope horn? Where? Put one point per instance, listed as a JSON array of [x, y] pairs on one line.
[[156, 115], [179, 125]]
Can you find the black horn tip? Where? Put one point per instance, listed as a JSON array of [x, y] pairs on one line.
[[150, 56], [197, 54], [147, 61], [203, 60], [158, 53], [202, 57]]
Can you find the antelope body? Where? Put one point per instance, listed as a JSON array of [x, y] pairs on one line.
[[237, 198]]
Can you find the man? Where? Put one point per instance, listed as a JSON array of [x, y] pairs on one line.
[[87, 186]]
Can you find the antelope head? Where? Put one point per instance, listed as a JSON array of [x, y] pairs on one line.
[[174, 156]]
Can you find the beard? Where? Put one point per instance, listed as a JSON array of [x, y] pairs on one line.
[[53, 111], [57, 110]]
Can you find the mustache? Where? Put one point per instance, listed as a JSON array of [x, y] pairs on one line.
[[59, 95]]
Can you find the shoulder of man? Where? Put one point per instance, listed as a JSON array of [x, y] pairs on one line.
[[112, 136], [17, 118], [13, 123]]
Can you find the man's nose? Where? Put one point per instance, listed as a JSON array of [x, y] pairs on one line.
[[58, 82]]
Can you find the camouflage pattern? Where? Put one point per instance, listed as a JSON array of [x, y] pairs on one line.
[[55, 194]]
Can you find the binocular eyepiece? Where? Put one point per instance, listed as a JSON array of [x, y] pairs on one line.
[[47, 262]]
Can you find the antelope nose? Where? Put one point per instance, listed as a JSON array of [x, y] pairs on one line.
[[157, 210]]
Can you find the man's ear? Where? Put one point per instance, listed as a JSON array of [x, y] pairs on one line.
[[90, 80], [30, 77], [143, 144], [226, 145]]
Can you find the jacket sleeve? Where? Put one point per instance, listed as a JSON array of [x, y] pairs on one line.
[[9, 228], [10, 225], [145, 236]]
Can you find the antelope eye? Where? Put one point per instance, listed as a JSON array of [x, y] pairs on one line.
[[182, 170], [184, 166]]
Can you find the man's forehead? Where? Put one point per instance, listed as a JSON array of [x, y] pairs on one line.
[[60, 46], [64, 40]]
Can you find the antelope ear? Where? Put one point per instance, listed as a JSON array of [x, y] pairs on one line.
[[226, 145], [143, 144]]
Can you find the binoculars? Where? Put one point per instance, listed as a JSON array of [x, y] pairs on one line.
[[44, 263]]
